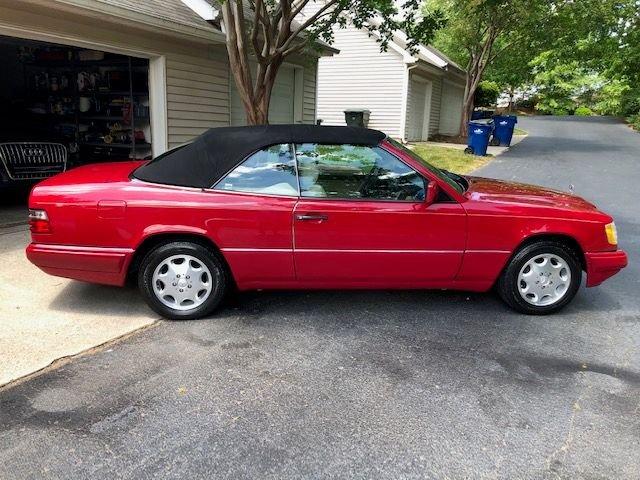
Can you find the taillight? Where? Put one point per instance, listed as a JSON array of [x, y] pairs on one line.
[[39, 221]]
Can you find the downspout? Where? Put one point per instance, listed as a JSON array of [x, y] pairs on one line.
[[405, 99]]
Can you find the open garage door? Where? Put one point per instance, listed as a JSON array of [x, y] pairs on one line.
[[63, 106], [451, 111], [282, 108]]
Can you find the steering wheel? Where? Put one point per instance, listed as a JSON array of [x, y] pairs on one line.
[[364, 186], [413, 191]]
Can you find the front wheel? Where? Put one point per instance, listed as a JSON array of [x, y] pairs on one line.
[[541, 278], [182, 280]]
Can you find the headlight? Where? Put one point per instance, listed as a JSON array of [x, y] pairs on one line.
[[612, 233]]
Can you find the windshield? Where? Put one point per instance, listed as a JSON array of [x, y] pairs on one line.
[[455, 181]]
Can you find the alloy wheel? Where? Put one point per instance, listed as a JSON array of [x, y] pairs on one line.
[[544, 280], [182, 282]]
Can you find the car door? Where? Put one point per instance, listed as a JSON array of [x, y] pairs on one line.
[[362, 222], [250, 217]]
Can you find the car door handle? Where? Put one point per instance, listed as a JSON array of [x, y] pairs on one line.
[[310, 217]]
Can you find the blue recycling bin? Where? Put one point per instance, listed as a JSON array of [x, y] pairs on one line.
[[478, 140], [504, 126]]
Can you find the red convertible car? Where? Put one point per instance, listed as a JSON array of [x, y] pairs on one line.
[[310, 207]]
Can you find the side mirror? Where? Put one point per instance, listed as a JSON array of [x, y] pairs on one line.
[[432, 193]]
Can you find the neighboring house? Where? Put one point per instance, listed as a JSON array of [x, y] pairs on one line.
[[411, 97], [190, 88]]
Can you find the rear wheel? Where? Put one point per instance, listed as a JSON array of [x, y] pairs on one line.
[[541, 278], [182, 280]]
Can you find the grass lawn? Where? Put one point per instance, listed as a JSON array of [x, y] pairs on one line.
[[450, 159], [519, 131]]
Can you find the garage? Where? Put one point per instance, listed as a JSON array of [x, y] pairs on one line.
[[63, 106], [451, 113], [285, 98]]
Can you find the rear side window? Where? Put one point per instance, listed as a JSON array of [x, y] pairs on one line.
[[355, 172], [270, 171]]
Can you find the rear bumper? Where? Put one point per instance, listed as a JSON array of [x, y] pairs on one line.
[[89, 264], [602, 265]]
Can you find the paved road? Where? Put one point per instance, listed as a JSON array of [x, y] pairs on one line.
[[367, 385]]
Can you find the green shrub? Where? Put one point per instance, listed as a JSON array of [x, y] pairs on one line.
[[487, 94], [634, 121], [583, 112], [527, 103]]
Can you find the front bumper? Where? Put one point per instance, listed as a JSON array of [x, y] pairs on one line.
[[105, 265], [602, 265]]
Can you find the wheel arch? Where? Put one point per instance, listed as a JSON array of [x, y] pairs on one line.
[[563, 238], [154, 240]]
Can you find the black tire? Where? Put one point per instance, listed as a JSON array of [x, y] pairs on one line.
[[468, 151], [219, 279], [494, 142], [507, 285]]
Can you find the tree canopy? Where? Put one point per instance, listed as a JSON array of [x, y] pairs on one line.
[[479, 32], [262, 34], [567, 53]]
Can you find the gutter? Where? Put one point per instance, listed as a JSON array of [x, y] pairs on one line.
[[405, 101], [98, 10]]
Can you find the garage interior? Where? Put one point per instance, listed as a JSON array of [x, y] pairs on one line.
[[63, 106]]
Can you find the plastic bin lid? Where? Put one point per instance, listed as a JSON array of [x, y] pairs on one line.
[[357, 110], [482, 121]]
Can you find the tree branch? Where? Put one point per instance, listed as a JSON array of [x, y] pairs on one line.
[[310, 21]]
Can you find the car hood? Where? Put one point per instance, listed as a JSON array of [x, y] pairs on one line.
[[499, 191]]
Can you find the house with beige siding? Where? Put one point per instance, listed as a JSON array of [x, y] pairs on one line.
[[412, 96], [131, 78]]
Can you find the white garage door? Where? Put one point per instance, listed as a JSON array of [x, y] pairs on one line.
[[418, 111], [451, 111], [283, 96]]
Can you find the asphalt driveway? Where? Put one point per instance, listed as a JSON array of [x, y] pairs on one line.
[[368, 384]]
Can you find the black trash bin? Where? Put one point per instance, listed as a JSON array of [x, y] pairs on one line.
[[357, 117]]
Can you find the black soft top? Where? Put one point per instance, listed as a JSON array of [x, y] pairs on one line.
[[214, 153]]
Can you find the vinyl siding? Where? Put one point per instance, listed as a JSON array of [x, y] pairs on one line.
[[309, 93], [361, 76], [197, 94]]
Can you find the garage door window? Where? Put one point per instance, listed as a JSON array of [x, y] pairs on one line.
[[270, 171], [355, 173]]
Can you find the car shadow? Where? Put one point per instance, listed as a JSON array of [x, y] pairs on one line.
[[80, 297], [95, 299]]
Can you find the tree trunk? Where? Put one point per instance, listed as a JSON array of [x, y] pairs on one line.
[[479, 58], [469, 99]]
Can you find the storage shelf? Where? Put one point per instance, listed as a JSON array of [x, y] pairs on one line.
[[108, 118], [116, 145], [114, 93]]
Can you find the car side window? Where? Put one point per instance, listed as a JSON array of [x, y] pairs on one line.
[[271, 171], [355, 172]]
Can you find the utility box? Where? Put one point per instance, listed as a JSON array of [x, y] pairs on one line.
[[357, 117]]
